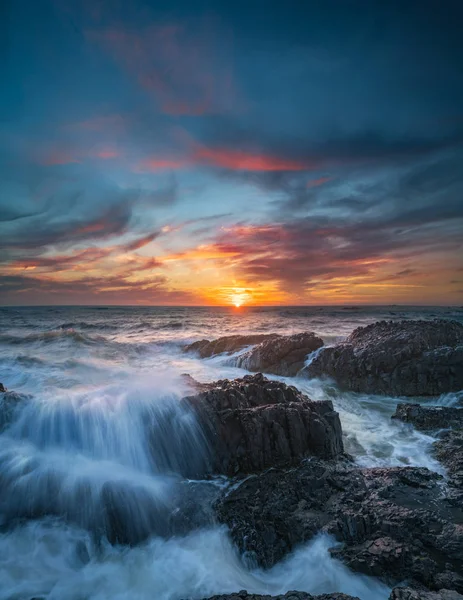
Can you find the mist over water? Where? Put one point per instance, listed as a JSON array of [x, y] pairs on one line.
[[103, 448]]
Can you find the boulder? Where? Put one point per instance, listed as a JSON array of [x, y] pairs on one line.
[[405, 358], [2, 388], [429, 417], [252, 424], [284, 355], [227, 344], [394, 523], [243, 595]]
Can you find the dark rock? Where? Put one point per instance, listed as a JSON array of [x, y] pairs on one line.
[[429, 417], [227, 344], [395, 523], [9, 403], [243, 595], [2, 388], [252, 424], [449, 451], [406, 358], [285, 355], [406, 593]]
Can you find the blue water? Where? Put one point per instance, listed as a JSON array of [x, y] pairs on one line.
[[103, 417]]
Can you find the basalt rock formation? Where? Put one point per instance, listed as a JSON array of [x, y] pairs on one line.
[[285, 355], [394, 523], [406, 358], [406, 593], [429, 417], [226, 344], [252, 424]]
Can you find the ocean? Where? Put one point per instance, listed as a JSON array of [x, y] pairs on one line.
[[93, 377]]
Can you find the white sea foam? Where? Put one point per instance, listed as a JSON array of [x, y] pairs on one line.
[[104, 447]]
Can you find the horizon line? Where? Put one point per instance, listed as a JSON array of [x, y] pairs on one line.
[[232, 306]]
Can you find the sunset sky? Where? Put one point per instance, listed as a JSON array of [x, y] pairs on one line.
[[220, 152]]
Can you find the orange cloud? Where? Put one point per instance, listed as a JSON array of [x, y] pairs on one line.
[[316, 182], [244, 161], [107, 153], [162, 164]]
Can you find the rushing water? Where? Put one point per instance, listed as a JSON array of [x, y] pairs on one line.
[[103, 447]]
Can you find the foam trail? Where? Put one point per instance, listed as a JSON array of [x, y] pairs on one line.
[[61, 563]]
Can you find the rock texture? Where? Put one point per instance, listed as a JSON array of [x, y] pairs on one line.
[[243, 595], [406, 358], [449, 451], [394, 522], [284, 355], [406, 593], [429, 417], [253, 424], [227, 344]]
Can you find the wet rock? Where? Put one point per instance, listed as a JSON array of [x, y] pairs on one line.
[[252, 424], [9, 404], [406, 593], [2, 388], [394, 523], [243, 595], [429, 417], [449, 451], [285, 355], [406, 358], [227, 344]]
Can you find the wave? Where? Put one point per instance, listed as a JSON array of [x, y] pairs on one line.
[[52, 336], [62, 563], [87, 326], [111, 461]]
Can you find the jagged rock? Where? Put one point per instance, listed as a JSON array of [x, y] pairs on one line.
[[285, 355], [429, 417], [449, 451], [2, 388], [406, 593], [243, 595], [227, 344], [394, 522], [252, 424], [406, 358]]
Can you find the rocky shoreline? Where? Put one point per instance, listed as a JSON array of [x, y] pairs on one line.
[[398, 358], [291, 479]]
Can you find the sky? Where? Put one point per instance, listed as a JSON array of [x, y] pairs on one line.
[[195, 152]]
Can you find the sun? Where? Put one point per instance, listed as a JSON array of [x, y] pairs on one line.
[[239, 297]]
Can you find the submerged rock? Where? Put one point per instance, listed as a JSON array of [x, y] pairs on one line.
[[429, 417], [227, 344], [9, 404], [406, 358], [252, 424], [285, 355], [394, 522], [243, 595]]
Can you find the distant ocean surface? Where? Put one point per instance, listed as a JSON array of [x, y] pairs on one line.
[[92, 373]]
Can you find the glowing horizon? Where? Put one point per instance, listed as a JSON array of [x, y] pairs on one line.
[[180, 159]]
